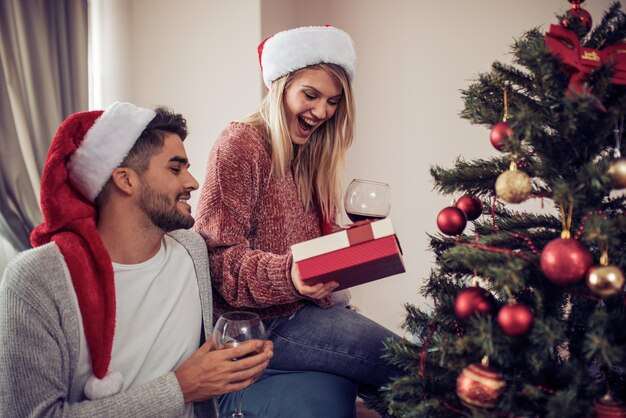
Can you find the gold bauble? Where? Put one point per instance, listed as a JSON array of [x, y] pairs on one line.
[[513, 186], [605, 281], [617, 171]]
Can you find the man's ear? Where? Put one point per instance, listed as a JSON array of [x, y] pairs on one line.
[[125, 180]]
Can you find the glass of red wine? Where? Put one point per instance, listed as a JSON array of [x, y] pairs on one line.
[[232, 329], [367, 200]]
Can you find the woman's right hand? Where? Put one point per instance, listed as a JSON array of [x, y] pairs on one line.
[[317, 291]]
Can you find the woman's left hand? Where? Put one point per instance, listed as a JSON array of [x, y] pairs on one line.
[[317, 291]]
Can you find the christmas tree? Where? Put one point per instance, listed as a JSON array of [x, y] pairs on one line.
[[528, 316]]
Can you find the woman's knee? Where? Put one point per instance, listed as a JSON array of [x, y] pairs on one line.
[[303, 394]]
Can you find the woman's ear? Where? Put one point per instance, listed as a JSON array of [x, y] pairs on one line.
[[125, 180]]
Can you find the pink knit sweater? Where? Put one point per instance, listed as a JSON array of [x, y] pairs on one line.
[[249, 222]]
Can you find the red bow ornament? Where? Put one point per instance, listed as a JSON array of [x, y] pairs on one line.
[[616, 54], [580, 62]]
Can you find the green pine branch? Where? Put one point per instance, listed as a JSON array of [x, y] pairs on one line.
[[610, 30]]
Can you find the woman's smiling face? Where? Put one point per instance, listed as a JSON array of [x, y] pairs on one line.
[[310, 100]]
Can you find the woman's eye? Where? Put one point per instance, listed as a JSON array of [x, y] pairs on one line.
[[333, 102], [309, 95]]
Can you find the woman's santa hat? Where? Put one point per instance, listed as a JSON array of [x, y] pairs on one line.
[[84, 152], [294, 49]]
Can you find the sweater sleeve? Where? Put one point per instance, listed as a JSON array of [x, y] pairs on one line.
[[34, 366], [236, 177]]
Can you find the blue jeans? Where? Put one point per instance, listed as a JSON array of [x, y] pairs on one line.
[[334, 340], [285, 394]]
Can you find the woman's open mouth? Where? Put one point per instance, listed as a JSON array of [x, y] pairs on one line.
[[306, 125]]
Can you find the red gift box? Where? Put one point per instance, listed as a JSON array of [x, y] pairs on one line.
[[351, 257]]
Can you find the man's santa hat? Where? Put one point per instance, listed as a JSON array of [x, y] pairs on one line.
[[84, 152], [294, 49]]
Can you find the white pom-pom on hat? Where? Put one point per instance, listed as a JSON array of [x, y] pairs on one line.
[[109, 385], [294, 49]]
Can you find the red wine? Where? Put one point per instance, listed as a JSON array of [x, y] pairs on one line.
[[235, 344], [356, 217]]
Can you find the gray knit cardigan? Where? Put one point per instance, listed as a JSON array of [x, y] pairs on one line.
[[39, 343]]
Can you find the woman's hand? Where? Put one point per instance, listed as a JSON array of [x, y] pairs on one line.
[[317, 291]]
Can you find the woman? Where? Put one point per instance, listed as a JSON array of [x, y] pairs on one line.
[[273, 180]]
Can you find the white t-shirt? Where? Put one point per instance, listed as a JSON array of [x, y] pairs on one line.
[[158, 319]]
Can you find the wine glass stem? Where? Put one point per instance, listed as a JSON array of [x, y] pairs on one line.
[[238, 413]]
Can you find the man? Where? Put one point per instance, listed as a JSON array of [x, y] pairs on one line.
[[105, 315]]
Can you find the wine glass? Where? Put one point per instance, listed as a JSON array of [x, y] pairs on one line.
[[367, 200], [231, 329]]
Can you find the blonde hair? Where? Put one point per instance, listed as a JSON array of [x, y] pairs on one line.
[[318, 164]]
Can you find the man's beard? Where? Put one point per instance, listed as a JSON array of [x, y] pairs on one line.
[[160, 211]]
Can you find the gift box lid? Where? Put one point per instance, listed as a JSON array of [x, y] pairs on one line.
[[342, 239]]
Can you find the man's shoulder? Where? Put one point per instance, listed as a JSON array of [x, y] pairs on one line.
[[188, 238], [35, 259], [196, 247], [34, 265], [193, 243]]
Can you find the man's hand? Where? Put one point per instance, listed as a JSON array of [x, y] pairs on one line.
[[209, 372], [317, 291]]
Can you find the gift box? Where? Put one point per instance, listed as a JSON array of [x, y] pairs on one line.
[[351, 257]]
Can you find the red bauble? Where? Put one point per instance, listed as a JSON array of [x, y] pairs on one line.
[[451, 220], [471, 206], [479, 386], [583, 16], [500, 134], [515, 319], [606, 407], [472, 301], [565, 261]]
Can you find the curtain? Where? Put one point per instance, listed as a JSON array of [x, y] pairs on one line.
[[43, 79]]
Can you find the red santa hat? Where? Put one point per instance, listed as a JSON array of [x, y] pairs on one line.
[[84, 152], [293, 49]]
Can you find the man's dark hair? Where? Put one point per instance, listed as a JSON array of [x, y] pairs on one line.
[[152, 138], [150, 143]]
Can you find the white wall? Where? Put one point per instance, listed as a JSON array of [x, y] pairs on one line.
[[189, 55], [414, 58]]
